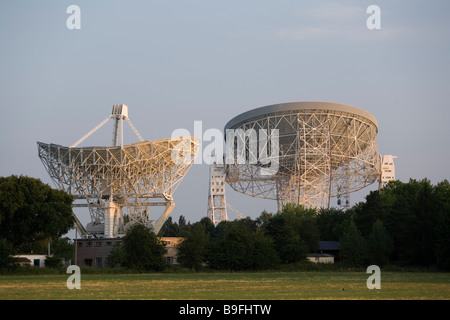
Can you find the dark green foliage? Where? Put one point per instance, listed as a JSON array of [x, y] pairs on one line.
[[6, 259], [442, 227], [288, 244], [240, 245], [264, 255], [63, 248], [170, 229], [401, 224], [328, 220], [379, 245], [173, 229], [32, 211], [366, 213], [231, 247], [143, 250], [53, 262], [192, 251], [263, 220], [415, 215], [294, 232], [208, 226], [353, 248], [410, 221], [117, 256], [182, 222]]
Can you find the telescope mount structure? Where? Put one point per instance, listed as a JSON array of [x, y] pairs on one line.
[[323, 150], [120, 184]]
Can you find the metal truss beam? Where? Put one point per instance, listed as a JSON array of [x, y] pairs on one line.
[[321, 152]]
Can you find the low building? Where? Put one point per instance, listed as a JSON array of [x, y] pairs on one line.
[[330, 247], [36, 260], [320, 258], [327, 252], [171, 244], [94, 252]]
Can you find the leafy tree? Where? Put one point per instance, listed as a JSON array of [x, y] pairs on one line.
[[307, 228], [425, 211], [63, 248], [31, 211], [442, 226], [143, 250], [328, 219], [6, 252], [192, 250], [379, 245], [240, 245], [53, 262], [208, 225], [364, 214], [263, 255], [288, 244], [182, 222], [353, 249], [230, 249], [410, 217], [38, 247], [263, 220], [117, 256], [294, 232], [414, 217], [170, 229]]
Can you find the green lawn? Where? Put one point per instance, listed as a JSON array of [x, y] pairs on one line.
[[268, 285]]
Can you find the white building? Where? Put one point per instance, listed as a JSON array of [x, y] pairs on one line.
[[36, 260], [320, 258]]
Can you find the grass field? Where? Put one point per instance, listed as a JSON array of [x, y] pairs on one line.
[[266, 286]]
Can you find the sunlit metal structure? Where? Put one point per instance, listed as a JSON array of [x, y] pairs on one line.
[[120, 184], [387, 170], [325, 150], [217, 203]]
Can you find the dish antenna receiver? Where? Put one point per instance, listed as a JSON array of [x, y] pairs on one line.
[[120, 184]]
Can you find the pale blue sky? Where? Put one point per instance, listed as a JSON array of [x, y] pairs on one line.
[[174, 62]]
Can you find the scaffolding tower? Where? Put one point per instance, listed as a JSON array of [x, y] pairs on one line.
[[217, 204]]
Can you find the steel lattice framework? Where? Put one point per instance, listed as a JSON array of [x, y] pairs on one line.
[[134, 177], [217, 204], [325, 150]]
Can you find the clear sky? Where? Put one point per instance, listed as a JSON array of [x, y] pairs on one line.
[[176, 62]]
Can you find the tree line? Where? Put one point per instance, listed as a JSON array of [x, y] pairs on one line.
[[404, 223]]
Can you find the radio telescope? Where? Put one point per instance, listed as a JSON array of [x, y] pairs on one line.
[[120, 184], [324, 150]]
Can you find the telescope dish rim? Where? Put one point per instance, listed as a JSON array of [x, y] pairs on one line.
[[298, 106]]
